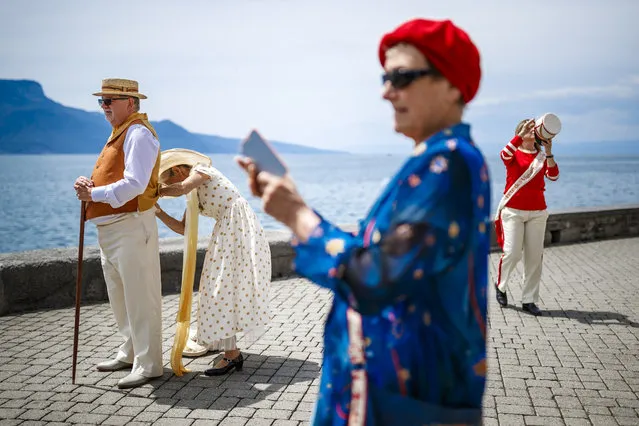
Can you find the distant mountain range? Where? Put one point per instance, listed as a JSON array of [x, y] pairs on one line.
[[31, 123]]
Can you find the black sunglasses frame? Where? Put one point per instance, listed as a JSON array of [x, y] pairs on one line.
[[108, 101], [402, 78]]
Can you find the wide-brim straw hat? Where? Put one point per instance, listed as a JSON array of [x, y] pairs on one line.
[[120, 87], [180, 156]]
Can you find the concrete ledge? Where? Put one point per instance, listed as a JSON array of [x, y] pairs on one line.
[[588, 224], [45, 279], [575, 226]]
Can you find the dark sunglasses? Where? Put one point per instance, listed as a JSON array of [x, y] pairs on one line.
[[400, 79], [108, 101]]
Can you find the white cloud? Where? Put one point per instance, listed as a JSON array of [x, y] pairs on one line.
[[601, 125], [627, 88], [307, 71]]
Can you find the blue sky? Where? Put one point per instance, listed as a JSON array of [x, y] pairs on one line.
[[307, 71]]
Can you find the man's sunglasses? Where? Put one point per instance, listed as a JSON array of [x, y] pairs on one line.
[[401, 78], [108, 101]]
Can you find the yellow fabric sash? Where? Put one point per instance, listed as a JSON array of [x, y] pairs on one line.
[[135, 116], [188, 275]]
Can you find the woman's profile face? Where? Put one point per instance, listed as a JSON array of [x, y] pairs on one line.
[[529, 136], [425, 101], [175, 174]]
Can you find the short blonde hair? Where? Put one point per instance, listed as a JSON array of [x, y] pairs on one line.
[[521, 125], [169, 173]]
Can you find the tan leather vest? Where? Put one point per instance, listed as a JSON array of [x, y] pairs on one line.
[[109, 168]]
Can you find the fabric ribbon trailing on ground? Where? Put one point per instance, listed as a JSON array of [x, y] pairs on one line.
[[183, 318]]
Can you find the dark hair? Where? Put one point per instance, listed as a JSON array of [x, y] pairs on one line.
[[437, 75]]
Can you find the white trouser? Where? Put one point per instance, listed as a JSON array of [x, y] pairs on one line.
[[524, 232], [130, 258]]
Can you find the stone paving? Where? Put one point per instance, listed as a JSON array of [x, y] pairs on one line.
[[576, 365]]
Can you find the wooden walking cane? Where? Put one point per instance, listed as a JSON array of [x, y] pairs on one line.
[[78, 291]]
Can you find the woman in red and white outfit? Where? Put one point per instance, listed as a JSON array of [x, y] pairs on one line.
[[523, 212]]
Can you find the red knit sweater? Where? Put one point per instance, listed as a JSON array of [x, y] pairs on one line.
[[531, 196]]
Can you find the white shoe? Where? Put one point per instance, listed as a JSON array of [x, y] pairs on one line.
[[113, 365], [194, 349], [133, 380]]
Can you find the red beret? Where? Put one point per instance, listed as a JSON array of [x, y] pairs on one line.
[[447, 47]]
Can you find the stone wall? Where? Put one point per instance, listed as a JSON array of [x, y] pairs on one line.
[[44, 279]]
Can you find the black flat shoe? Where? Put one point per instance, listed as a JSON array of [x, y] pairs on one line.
[[531, 308], [502, 297], [231, 364]]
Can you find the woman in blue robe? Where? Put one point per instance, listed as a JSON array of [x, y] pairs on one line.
[[405, 339]]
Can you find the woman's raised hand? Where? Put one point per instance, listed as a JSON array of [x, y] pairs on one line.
[[527, 129]]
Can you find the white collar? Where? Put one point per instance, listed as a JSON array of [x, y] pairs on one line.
[[525, 151]]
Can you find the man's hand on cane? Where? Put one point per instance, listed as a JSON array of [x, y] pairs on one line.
[[83, 187]]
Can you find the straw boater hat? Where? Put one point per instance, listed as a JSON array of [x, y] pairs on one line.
[[121, 87], [178, 156]]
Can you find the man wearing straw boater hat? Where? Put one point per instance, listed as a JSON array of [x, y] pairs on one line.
[[120, 197]]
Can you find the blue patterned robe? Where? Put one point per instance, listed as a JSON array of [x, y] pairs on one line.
[[417, 272]]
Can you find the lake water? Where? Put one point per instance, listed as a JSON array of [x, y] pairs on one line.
[[38, 207]]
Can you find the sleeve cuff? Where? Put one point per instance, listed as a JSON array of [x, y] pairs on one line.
[[517, 141], [98, 194], [323, 250], [315, 240]]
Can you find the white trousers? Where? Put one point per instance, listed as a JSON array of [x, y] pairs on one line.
[[130, 258], [524, 232]]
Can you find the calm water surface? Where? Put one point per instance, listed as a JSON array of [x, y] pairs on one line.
[[38, 208]]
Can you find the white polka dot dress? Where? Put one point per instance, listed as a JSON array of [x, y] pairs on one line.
[[236, 276]]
